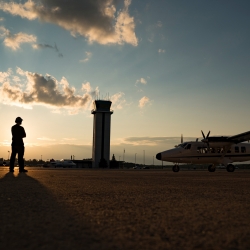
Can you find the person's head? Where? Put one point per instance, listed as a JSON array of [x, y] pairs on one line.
[[18, 120]]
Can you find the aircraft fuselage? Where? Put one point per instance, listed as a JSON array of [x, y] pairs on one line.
[[199, 153]]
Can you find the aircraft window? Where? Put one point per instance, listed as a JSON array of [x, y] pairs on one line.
[[243, 149], [220, 150], [188, 146], [202, 150], [236, 149]]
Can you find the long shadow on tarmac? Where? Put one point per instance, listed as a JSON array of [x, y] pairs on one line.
[[30, 218]]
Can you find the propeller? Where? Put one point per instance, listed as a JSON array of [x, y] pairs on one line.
[[206, 139]]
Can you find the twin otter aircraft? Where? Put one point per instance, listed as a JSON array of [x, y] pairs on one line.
[[210, 150]]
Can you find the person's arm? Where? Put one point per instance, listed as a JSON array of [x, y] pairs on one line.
[[24, 134]]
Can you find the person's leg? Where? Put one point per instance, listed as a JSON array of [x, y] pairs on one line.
[[12, 158], [20, 158]]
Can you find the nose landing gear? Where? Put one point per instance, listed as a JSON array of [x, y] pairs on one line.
[[176, 168]]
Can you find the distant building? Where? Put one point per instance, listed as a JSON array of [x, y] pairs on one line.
[[85, 163], [101, 133]]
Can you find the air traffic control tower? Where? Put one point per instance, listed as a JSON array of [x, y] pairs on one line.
[[101, 133]]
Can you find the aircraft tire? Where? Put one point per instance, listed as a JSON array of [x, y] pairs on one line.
[[176, 168], [211, 168], [230, 168]]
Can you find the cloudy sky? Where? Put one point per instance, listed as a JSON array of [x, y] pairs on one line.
[[169, 67]]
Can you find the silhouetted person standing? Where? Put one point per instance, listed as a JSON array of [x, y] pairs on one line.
[[17, 146]]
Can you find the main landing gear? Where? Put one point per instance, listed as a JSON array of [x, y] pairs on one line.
[[176, 168], [230, 168], [211, 168]]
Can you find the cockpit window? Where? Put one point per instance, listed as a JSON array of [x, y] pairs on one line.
[[183, 145]]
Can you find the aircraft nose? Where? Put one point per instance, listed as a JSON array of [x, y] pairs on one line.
[[158, 156]]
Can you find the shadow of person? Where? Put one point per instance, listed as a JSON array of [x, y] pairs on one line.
[[30, 218]]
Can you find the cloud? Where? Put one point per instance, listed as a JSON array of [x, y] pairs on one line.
[[45, 139], [152, 141], [5, 143], [159, 24], [4, 75], [47, 46], [98, 21], [161, 51], [88, 89], [42, 46], [42, 90], [142, 81], [68, 139], [118, 100], [143, 101], [3, 32], [14, 41], [37, 89], [1, 19], [88, 56]]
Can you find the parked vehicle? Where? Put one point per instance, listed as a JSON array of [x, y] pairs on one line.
[[137, 167], [60, 164]]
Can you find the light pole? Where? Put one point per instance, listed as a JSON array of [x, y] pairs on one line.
[[153, 161], [144, 158], [8, 155], [41, 157], [123, 157], [135, 159]]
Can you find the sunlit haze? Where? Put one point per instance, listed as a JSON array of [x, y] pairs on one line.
[[169, 68]]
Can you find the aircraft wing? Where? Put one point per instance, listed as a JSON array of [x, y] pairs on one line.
[[240, 137]]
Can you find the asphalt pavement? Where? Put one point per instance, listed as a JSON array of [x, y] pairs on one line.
[[124, 209]]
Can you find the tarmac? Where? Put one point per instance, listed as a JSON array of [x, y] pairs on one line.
[[124, 209]]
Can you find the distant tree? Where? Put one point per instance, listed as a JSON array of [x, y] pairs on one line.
[[113, 158]]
